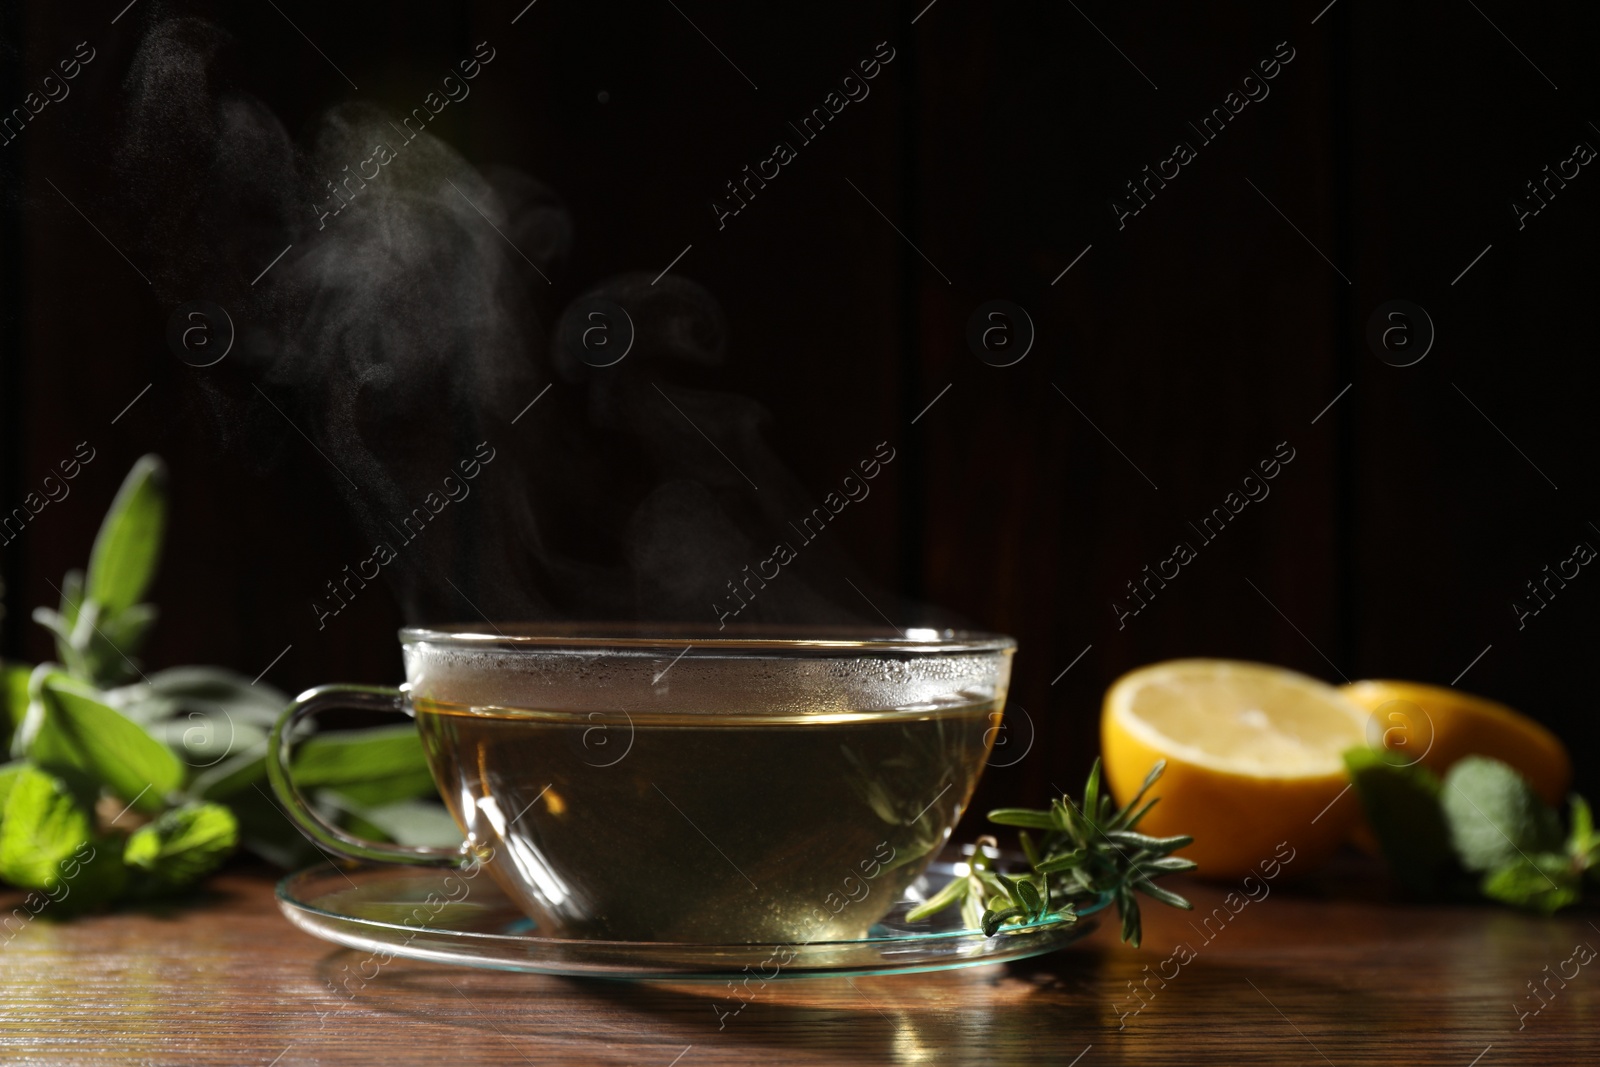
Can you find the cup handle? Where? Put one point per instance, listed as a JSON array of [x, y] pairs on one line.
[[319, 830]]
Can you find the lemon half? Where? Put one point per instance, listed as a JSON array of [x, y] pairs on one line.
[[1254, 768], [1436, 725]]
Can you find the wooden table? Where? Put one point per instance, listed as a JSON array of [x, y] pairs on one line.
[[1326, 973]]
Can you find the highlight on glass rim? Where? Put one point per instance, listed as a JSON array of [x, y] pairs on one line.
[[889, 533]]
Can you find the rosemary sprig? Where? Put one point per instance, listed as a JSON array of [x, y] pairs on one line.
[[1092, 851]]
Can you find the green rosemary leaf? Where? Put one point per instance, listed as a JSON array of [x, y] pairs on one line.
[[1150, 844], [1091, 790], [1062, 817], [1166, 896], [993, 920], [1029, 849], [1132, 927], [993, 883], [1133, 801], [1038, 820], [1062, 862], [972, 910], [1030, 899], [1092, 850], [954, 890], [1130, 818], [1077, 825]]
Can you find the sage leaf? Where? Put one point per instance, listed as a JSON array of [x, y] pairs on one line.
[[81, 732], [123, 560], [405, 822], [371, 767]]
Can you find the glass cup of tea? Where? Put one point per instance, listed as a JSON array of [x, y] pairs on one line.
[[634, 783]]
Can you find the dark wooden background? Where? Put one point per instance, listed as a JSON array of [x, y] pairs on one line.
[[1190, 343]]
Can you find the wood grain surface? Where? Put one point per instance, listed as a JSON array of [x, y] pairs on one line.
[[1325, 973]]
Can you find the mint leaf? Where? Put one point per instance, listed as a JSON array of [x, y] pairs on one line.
[[129, 542], [1495, 817], [1543, 881], [43, 827], [1582, 844], [80, 732], [182, 846], [1402, 807]]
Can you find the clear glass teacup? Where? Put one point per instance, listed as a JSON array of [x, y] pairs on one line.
[[657, 783]]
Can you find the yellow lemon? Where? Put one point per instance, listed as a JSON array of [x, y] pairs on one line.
[[1253, 760], [1435, 726]]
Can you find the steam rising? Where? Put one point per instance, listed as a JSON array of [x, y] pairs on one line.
[[402, 331]]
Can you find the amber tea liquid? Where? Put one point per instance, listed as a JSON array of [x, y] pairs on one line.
[[787, 828]]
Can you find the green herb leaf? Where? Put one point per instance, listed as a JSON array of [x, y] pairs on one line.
[[993, 920], [1129, 839], [1029, 849], [44, 826], [265, 831], [1091, 790], [81, 732], [372, 767], [215, 689], [71, 596], [1166, 896], [342, 757], [1131, 813], [1095, 851], [123, 633], [229, 778], [955, 890], [1030, 898], [1062, 861], [1543, 881], [128, 545], [1037, 820], [405, 822], [206, 739], [182, 846], [1495, 817], [10, 773], [1581, 841], [13, 700], [1132, 924], [1130, 818], [1402, 807]]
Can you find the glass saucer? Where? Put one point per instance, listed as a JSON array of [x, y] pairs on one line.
[[423, 914]]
